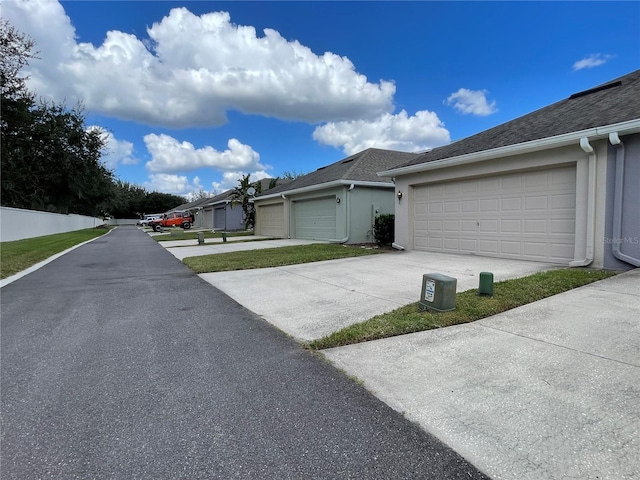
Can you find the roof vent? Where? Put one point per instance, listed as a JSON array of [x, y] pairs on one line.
[[348, 160], [321, 168], [596, 89]]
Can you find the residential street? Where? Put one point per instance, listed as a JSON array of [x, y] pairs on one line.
[[118, 362]]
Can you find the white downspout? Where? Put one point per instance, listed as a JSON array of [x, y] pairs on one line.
[[348, 207], [618, 193], [591, 206]]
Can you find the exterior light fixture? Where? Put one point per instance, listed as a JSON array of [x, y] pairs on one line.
[[337, 199], [399, 194]]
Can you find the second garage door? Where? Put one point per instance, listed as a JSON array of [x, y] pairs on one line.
[[315, 219], [271, 220], [528, 216]]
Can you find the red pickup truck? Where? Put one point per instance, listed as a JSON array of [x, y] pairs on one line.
[[173, 219]]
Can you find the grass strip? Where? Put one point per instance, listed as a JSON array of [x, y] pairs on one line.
[[190, 235], [470, 306], [274, 257], [19, 255]]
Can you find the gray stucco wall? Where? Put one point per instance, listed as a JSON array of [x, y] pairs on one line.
[[366, 204], [629, 240]]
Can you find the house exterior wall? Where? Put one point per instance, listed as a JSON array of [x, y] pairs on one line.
[[629, 240], [569, 155], [234, 216], [355, 212], [366, 204]]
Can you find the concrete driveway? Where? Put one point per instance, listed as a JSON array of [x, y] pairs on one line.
[[547, 391], [312, 300]]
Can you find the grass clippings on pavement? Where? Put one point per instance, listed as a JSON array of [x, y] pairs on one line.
[[470, 306], [19, 255], [274, 257]]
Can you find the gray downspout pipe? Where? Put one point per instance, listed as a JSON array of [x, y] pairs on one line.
[[618, 193], [591, 205], [348, 216]]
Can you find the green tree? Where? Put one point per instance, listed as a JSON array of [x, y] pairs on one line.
[[49, 160], [241, 196]]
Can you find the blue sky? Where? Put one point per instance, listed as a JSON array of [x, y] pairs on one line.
[[192, 95]]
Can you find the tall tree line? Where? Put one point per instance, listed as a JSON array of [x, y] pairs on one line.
[[50, 161]]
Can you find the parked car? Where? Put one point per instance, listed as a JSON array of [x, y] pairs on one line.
[[173, 219], [147, 218]]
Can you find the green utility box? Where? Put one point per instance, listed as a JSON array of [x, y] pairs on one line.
[[486, 284], [438, 292]]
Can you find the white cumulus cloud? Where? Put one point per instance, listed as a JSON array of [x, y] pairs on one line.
[[173, 184], [591, 61], [402, 132], [170, 155], [115, 152], [231, 179], [191, 70], [471, 102]]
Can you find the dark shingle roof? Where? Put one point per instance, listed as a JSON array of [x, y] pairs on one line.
[[610, 103], [362, 166]]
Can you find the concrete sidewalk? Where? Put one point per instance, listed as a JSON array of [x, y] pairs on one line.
[[189, 248], [550, 390]]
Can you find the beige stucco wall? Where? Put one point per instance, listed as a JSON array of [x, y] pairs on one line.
[[568, 155], [354, 213]]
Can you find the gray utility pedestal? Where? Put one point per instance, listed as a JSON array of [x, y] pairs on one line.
[[438, 292]]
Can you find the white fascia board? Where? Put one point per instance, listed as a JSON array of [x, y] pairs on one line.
[[623, 128], [219, 202], [325, 186]]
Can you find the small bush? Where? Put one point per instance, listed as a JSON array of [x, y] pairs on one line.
[[383, 229]]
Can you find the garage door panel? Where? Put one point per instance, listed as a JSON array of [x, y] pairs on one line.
[[271, 219], [489, 205], [566, 226], [469, 206], [532, 204], [511, 204], [567, 201], [435, 207], [510, 226], [468, 226], [488, 247], [527, 215], [315, 219], [468, 245]]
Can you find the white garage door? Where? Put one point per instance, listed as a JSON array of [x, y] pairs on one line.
[[315, 219], [207, 218], [529, 216], [271, 220]]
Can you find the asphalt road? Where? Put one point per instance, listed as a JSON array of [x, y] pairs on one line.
[[118, 362]]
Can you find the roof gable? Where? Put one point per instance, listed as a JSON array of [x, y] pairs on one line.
[[363, 166], [607, 104]]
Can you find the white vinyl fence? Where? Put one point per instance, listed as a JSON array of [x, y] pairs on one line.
[[16, 223]]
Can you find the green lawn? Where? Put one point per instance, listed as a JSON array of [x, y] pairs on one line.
[[19, 255], [274, 257], [469, 307]]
